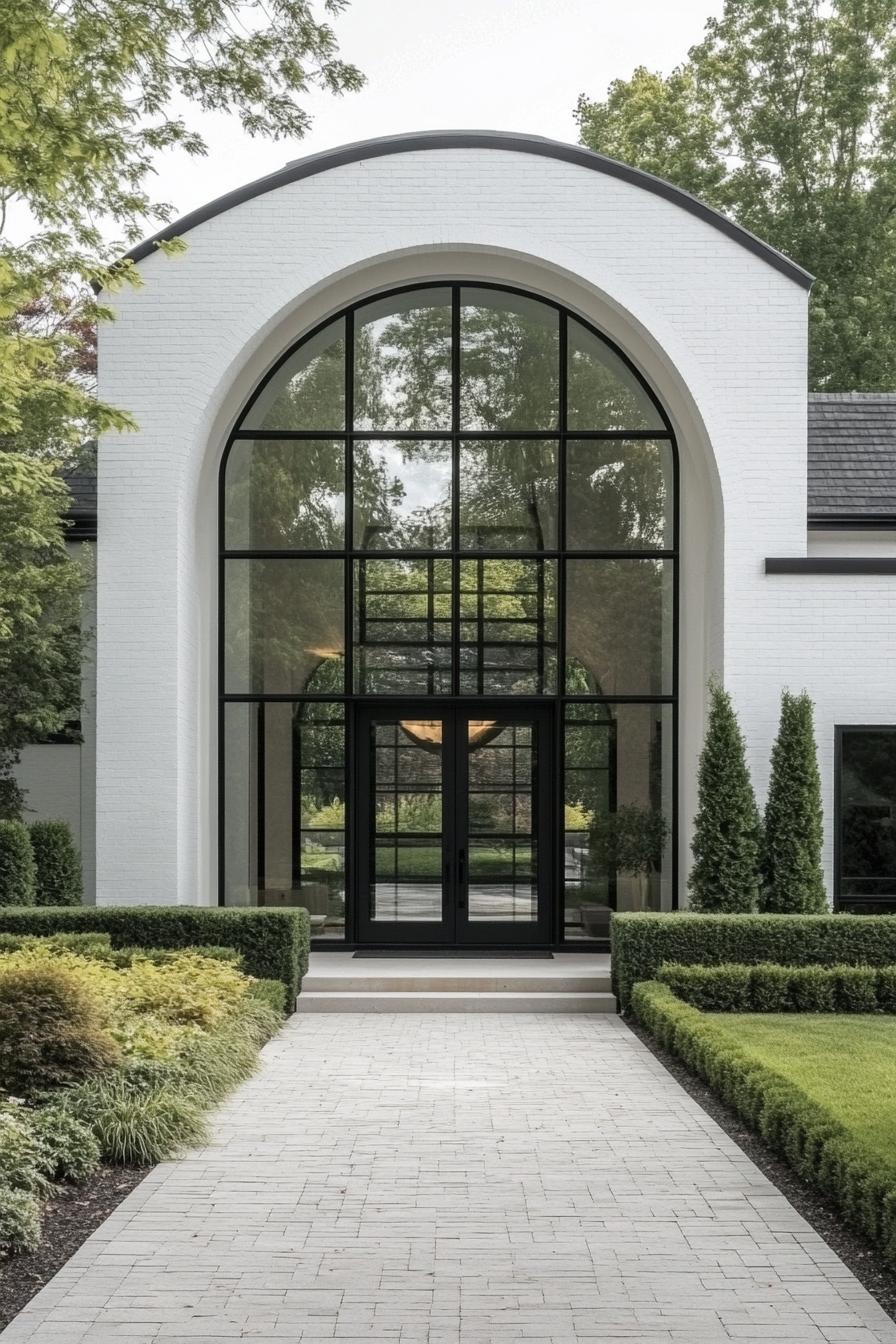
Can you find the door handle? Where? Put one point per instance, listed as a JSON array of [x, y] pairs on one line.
[[462, 879]]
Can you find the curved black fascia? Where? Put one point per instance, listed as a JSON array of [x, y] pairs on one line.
[[300, 169]]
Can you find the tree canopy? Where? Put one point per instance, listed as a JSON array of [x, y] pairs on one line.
[[784, 117]]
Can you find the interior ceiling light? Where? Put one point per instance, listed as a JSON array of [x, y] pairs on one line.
[[428, 732]]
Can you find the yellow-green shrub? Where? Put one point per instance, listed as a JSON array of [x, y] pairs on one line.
[[189, 989]]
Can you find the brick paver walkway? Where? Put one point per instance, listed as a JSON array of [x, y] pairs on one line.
[[455, 1179]]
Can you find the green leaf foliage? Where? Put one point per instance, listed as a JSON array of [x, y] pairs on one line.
[[274, 944], [17, 873], [57, 864], [725, 844], [782, 117], [40, 614], [794, 824], [643, 942], [52, 1032], [823, 1151]]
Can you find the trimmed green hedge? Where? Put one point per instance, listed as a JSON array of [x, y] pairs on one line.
[[769, 988], [273, 943], [641, 943], [817, 1146]]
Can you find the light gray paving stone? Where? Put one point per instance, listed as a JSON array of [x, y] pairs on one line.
[[451, 1179]]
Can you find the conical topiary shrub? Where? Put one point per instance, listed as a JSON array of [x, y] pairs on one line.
[[17, 884], [725, 872], [792, 877], [57, 864]]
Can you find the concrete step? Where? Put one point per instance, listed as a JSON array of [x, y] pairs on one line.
[[466, 982], [452, 1001]]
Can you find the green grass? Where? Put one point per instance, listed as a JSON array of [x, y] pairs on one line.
[[846, 1063]]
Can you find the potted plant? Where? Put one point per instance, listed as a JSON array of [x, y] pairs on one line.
[[630, 840]]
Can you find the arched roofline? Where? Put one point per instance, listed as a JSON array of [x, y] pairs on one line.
[[508, 141]]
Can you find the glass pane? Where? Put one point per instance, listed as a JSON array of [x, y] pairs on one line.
[[603, 392], [283, 626], [508, 633], [403, 362], [509, 362], [319, 794], [402, 495], [508, 495], [617, 847], [287, 494], [501, 858], [619, 627], [402, 627], [618, 495], [868, 813], [407, 821], [308, 391], [240, 803]]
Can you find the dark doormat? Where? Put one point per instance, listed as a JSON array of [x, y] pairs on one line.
[[449, 952]]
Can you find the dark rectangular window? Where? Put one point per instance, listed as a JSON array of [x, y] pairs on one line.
[[866, 819]]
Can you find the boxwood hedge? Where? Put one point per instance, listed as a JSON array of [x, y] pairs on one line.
[[769, 988], [641, 943], [813, 1142], [273, 943]]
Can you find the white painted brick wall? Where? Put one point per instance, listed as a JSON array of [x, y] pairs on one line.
[[720, 333]]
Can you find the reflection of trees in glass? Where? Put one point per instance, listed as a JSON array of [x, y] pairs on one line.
[[283, 623], [402, 495], [308, 391], [602, 392], [616, 627], [509, 363], [617, 495], [403, 364], [508, 495]]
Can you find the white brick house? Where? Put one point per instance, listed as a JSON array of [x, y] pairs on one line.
[[400, 456]]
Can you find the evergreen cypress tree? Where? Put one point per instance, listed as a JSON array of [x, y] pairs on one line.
[[791, 861], [726, 843]]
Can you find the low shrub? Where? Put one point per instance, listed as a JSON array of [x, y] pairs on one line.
[[273, 943], [52, 1029], [57, 864], [17, 873], [816, 1145], [69, 1149], [19, 1221], [22, 1165], [769, 988], [642, 942], [270, 992], [186, 989]]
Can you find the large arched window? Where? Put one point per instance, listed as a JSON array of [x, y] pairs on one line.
[[450, 494]]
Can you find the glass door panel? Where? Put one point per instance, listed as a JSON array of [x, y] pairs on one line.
[[453, 816], [406, 833], [502, 846]]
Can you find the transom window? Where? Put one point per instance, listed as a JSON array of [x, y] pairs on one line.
[[448, 491]]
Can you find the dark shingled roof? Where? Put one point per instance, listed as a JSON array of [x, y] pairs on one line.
[[852, 458], [852, 464]]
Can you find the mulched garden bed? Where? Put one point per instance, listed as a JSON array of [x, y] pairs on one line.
[[68, 1220], [855, 1252]]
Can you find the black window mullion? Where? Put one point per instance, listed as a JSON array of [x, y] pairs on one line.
[[349, 512], [455, 489]]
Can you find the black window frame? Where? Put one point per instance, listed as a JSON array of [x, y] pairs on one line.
[[559, 699], [843, 901]]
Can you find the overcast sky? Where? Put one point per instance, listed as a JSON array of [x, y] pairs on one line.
[[510, 65]]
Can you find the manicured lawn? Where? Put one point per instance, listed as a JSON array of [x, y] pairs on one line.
[[846, 1063]]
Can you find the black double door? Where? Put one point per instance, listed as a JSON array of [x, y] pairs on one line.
[[453, 813]]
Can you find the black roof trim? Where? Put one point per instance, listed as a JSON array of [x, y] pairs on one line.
[[300, 169]]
